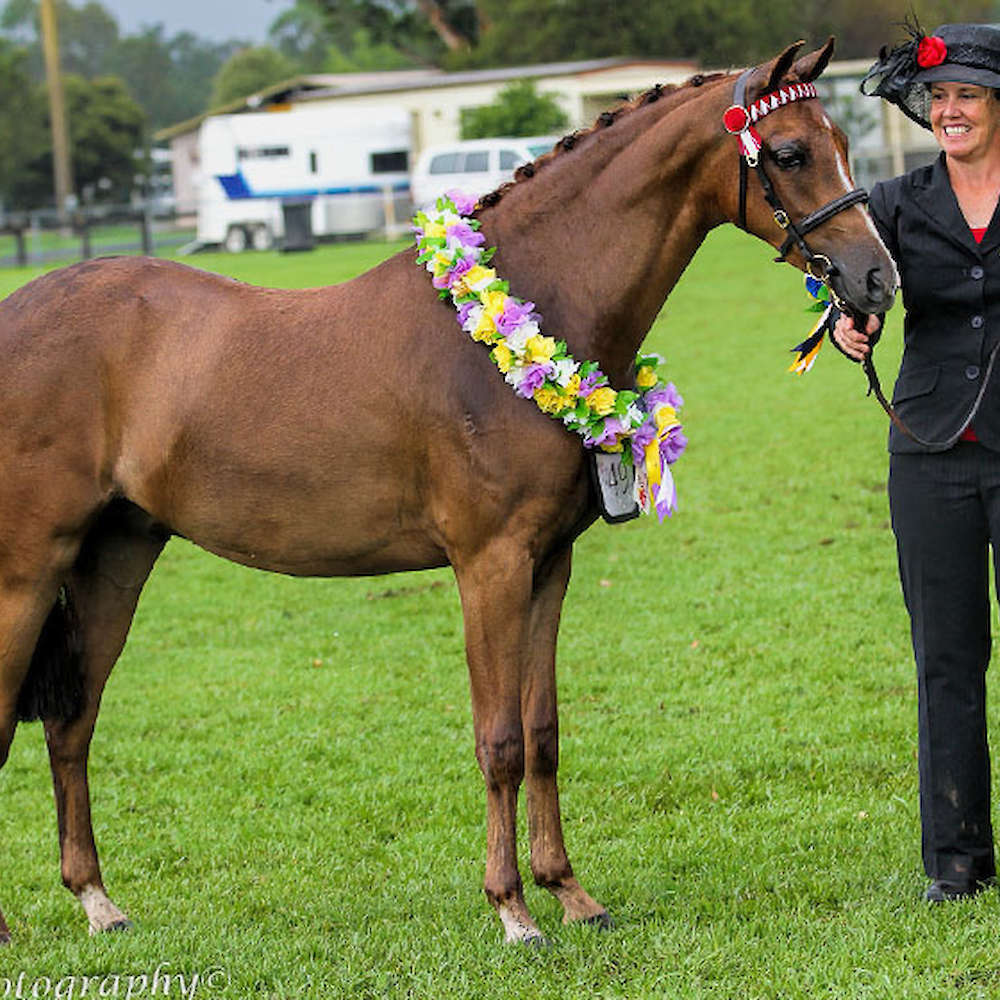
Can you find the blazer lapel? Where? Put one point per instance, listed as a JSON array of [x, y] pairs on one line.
[[938, 202]]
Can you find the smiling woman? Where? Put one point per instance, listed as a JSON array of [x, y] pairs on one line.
[[941, 226]]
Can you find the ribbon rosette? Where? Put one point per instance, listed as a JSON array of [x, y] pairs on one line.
[[541, 368]]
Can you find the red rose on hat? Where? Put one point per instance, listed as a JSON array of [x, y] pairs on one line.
[[931, 52]]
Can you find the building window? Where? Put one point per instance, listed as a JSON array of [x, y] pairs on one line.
[[313, 163], [396, 162]]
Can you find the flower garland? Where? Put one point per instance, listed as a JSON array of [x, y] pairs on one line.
[[541, 368]]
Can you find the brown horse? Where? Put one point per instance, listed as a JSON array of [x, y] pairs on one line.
[[355, 430]]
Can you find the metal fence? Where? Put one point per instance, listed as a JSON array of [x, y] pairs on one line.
[[40, 237]]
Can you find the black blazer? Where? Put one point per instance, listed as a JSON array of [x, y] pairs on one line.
[[951, 291]]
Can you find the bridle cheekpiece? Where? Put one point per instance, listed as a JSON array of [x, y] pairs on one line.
[[739, 120]]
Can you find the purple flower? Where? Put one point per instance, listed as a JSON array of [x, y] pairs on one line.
[[513, 315], [464, 235], [465, 204], [591, 382], [641, 438], [663, 394], [673, 446], [533, 378], [464, 310], [613, 428]]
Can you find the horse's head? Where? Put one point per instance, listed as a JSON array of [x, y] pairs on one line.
[[795, 188]]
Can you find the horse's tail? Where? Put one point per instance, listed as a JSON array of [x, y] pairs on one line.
[[53, 688]]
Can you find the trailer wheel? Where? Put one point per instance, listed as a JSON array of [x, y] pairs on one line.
[[236, 240], [261, 238]]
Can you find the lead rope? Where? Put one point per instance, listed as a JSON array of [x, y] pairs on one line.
[[875, 388]]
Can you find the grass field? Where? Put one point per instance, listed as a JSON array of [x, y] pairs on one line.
[[283, 776]]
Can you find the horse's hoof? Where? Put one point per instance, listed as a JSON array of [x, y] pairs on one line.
[[4, 939], [602, 921], [537, 942], [118, 927]]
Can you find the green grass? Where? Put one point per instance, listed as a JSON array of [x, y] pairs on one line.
[[283, 777]]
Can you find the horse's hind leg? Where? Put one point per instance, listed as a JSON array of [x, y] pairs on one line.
[[103, 589], [549, 861], [23, 607]]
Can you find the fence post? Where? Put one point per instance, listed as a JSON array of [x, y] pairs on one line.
[[82, 226], [22, 249], [146, 229]]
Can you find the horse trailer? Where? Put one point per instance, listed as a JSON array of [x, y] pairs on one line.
[[351, 168]]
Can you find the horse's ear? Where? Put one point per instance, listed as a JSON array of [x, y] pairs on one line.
[[770, 75], [809, 67]]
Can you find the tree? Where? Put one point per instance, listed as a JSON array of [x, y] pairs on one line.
[[106, 130], [248, 71], [23, 126], [518, 110]]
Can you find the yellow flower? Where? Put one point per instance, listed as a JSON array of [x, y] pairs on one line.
[[493, 303], [549, 400], [539, 348], [503, 356], [572, 388], [645, 377], [434, 230], [602, 400], [479, 275], [617, 446], [485, 330]]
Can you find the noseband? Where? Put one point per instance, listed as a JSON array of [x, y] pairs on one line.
[[739, 120]]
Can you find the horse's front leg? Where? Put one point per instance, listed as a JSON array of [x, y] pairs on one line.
[[496, 587], [549, 861]]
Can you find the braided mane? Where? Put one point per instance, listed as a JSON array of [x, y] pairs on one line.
[[604, 120]]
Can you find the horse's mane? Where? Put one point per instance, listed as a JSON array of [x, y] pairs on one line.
[[675, 92]]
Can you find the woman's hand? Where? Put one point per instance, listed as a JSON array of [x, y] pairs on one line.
[[855, 343]]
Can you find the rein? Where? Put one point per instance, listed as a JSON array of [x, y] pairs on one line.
[[739, 120], [875, 389]]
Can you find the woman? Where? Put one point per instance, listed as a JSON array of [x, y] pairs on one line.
[[942, 227]]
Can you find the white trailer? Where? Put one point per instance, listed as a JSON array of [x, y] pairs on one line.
[[352, 168]]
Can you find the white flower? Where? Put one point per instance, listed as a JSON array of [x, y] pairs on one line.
[[515, 376], [565, 370], [472, 320], [520, 336]]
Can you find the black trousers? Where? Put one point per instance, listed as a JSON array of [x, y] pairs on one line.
[[945, 513]]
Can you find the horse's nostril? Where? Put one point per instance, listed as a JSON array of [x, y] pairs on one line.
[[876, 283]]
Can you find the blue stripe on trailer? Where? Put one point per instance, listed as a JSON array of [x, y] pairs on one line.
[[237, 189]]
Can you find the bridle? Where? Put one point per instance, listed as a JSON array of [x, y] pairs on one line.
[[739, 119]]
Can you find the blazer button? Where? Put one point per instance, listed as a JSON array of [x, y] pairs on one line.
[[977, 322], [976, 272], [972, 372]]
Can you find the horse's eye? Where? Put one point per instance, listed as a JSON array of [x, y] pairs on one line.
[[789, 157]]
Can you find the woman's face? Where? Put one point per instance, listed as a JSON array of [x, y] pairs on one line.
[[965, 119]]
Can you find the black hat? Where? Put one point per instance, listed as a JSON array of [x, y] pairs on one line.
[[956, 53]]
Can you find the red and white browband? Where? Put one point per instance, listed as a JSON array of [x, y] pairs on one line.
[[740, 120]]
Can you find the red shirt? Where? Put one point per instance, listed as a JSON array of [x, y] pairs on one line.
[[969, 434]]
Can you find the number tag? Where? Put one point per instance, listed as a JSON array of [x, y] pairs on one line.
[[614, 482]]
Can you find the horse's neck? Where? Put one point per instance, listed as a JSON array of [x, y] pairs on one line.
[[600, 241]]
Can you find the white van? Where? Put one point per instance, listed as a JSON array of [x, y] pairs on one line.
[[475, 166]]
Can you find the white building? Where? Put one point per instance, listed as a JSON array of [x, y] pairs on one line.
[[430, 100]]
